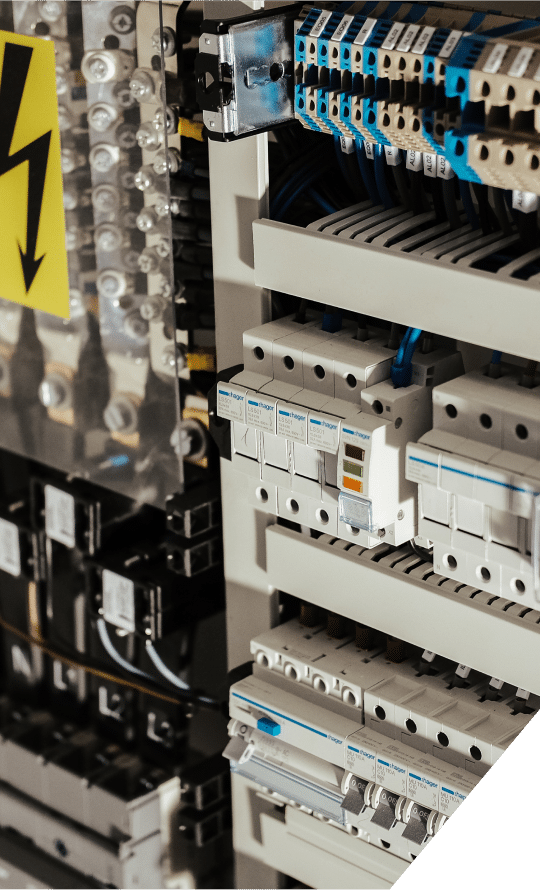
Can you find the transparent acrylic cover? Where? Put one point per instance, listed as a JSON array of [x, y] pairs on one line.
[[97, 395]]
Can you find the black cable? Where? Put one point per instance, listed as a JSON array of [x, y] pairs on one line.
[[450, 204], [501, 213], [528, 230], [480, 193], [438, 200], [300, 316], [401, 185], [424, 554], [179, 46], [416, 180]]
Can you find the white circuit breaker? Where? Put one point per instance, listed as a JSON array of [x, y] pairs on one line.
[[320, 430], [478, 475]]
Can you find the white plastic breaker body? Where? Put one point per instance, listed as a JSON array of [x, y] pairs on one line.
[[321, 432], [478, 476]]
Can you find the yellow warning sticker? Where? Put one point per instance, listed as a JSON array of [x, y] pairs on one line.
[[33, 270]]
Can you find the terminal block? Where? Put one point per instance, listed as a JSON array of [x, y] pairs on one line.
[[445, 81]]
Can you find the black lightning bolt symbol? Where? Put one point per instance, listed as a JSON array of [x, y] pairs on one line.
[[14, 73]]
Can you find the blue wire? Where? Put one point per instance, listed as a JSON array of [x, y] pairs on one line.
[[308, 179], [496, 357], [366, 173], [412, 342], [401, 370], [380, 178], [321, 201], [282, 194], [401, 349]]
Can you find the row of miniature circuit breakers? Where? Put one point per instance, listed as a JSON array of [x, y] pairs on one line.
[[319, 428], [326, 440], [449, 82], [384, 751]]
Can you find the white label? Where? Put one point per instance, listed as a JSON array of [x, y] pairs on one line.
[[364, 32], [323, 432], [407, 40], [261, 412], [392, 774], [231, 402], [527, 202], [421, 44], [450, 798], [430, 163], [520, 63], [319, 25], [423, 788], [392, 154], [444, 169], [292, 422], [60, 516], [463, 671], [495, 58], [347, 144], [21, 662], [415, 160], [370, 150], [496, 684], [450, 44], [342, 28], [393, 35], [10, 553], [361, 759], [118, 600], [522, 693]]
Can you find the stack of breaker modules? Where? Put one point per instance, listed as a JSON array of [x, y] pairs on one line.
[[383, 751], [380, 473], [111, 579], [319, 427]]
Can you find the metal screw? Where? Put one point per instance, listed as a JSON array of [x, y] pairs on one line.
[[167, 42], [401, 514]]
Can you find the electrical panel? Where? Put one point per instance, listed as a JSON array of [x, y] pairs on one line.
[[269, 435]]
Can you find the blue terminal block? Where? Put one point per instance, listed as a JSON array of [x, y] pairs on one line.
[[456, 146], [345, 49], [323, 94], [327, 33], [303, 33], [266, 724]]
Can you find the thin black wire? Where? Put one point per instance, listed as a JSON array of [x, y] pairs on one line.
[[450, 203], [426, 555], [500, 210], [480, 193], [401, 185]]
